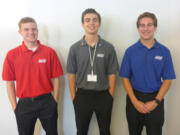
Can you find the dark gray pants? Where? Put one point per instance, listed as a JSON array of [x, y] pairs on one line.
[[153, 121], [88, 101], [28, 110]]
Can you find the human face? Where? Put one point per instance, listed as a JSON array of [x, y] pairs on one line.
[[146, 29], [29, 32], [91, 24]]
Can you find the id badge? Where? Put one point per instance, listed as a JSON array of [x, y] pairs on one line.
[[91, 78]]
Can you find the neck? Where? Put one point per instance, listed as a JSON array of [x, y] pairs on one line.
[[91, 40], [148, 43], [31, 44]]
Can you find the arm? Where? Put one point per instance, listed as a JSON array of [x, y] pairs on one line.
[[112, 83], [56, 86], [10, 85], [72, 84], [151, 105], [164, 89], [140, 106]]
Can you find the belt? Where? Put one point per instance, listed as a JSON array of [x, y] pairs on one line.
[[95, 90], [35, 98], [142, 93]]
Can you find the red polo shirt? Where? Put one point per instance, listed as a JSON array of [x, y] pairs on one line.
[[32, 71]]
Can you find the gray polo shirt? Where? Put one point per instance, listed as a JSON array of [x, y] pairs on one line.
[[105, 63]]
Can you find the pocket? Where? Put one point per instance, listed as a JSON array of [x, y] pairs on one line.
[[75, 97], [110, 95], [76, 94], [17, 106], [54, 100]]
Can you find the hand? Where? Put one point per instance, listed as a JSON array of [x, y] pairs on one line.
[[151, 105], [111, 93], [14, 107], [56, 99], [141, 107], [73, 97]]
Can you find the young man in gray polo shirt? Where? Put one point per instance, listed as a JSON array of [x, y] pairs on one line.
[[92, 65]]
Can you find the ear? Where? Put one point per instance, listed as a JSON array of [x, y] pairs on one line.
[[155, 29], [19, 31], [82, 25], [138, 29]]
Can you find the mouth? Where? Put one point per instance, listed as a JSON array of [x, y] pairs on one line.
[[91, 28], [146, 33], [32, 38]]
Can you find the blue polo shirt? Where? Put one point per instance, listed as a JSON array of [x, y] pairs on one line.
[[146, 68]]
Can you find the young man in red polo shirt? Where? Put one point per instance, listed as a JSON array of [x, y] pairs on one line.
[[36, 70]]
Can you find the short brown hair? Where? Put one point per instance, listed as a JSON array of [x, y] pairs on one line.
[[26, 20], [89, 11], [148, 15]]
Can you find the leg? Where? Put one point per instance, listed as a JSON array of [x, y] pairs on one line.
[[25, 119], [134, 118], [103, 109], [155, 120], [48, 116], [83, 111]]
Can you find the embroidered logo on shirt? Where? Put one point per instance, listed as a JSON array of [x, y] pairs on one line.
[[42, 61], [101, 55], [158, 57]]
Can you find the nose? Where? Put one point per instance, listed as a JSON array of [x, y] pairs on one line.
[[91, 21], [146, 27], [31, 31]]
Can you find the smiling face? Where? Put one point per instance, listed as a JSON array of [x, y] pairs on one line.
[[91, 23], [146, 28], [29, 32]]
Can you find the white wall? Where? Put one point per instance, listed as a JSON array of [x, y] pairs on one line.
[[60, 26]]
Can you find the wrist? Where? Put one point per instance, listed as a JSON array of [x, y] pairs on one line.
[[14, 107], [111, 93], [157, 101], [56, 99], [133, 99]]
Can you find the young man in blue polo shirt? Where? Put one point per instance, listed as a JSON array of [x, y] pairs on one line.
[[146, 71]]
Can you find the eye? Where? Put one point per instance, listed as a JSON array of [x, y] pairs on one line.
[[142, 25], [150, 25], [95, 19], [26, 29], [87, 20], [34, 29]]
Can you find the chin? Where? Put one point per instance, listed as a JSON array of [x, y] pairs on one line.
[[32, 41], [147, 38], [93, 33]]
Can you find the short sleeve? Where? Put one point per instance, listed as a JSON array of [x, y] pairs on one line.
[[8, 73], [113, 65], [168, 71], [71, 62], [56, 68], [125, 70]]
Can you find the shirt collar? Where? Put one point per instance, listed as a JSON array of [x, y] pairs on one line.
[[84, 43], [25, 49], [140, 45]]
